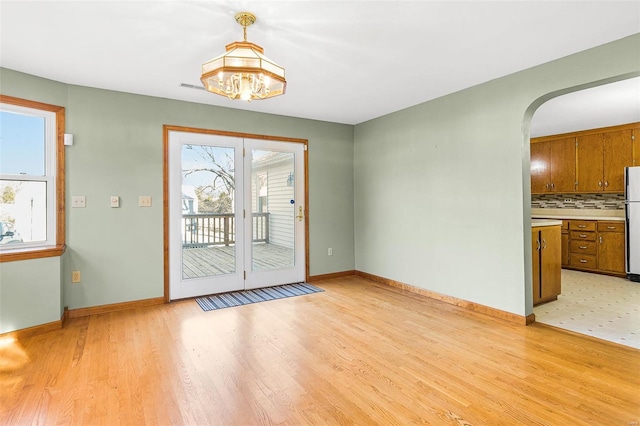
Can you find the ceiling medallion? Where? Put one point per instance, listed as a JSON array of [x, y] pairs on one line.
[[243, 72]]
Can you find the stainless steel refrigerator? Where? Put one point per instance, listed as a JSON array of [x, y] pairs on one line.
[[632, 213]]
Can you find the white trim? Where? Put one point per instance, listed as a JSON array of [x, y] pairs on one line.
[[49, 177]]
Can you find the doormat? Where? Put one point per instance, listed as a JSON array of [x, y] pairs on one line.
[[246, 297]]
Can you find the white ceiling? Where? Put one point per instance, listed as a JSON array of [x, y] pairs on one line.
[[340, 56], [602, 106]]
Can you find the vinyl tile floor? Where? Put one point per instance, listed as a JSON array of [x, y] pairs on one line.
[[596, 305]]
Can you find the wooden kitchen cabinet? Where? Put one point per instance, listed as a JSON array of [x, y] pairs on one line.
[[546, 263], [601, 159], [597, 246], [636, 146], [553, 166], [611, 238], [565, 243]]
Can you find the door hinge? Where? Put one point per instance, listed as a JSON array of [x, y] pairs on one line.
[[244, 153], [245, 275], [244, 214]]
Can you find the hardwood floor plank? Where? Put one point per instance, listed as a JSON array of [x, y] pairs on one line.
[[358, 353]]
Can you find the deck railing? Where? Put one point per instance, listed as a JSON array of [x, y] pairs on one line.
[[217, 229]]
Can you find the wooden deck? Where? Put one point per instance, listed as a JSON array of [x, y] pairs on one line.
[[219, 260]]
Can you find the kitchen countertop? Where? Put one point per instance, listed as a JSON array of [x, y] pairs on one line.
[[535, 223], [581, 214]]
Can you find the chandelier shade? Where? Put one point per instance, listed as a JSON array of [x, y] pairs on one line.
[[243, 71]]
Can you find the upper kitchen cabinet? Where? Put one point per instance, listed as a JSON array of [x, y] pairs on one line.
[[553, 166], [636, 146], [601, 159]]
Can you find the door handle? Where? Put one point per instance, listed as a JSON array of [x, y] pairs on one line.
[[300, 214]]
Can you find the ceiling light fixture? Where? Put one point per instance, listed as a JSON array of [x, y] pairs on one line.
[[243, 72]]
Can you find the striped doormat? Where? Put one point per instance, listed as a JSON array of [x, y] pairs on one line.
[[237, 298]]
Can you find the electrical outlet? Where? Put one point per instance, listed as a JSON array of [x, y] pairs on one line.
[[144, 201], [78, 201], [330, 252], [75, 276], [567, 200]]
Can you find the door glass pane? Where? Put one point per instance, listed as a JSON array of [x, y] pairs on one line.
[[273, 210], [208, 224]]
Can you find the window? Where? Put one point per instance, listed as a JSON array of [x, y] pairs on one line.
[[31, 179]]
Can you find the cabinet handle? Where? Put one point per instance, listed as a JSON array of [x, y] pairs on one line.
[[611, 227], [583, 235], [583, 261], [553, 186], [600, 184], [538, 243], [544, 244], [582, 226], [583, 247], [547, 185], [606, 183]]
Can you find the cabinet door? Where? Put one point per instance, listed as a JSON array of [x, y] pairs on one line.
[[590, 165], [539, 167], [611, 252], [550, 262], [562, 160], [565, 249], [535, 277], [618, 154], [636, 146]]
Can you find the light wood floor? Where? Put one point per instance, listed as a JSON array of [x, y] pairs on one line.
[[358, 353]]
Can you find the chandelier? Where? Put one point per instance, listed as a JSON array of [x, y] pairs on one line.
[[243, 72]]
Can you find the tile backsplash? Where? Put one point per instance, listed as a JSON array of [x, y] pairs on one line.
[[578, 201]]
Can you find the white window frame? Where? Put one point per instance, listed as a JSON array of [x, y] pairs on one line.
[[54, 117]]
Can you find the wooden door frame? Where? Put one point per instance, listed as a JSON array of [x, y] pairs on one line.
[[165, 186]]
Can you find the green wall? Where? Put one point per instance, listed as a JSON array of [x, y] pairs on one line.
[[118, 151], [442, 189], [436, 196]]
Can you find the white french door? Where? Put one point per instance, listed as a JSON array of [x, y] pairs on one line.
[[236, 213]]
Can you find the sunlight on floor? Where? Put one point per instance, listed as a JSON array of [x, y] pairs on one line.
[[596, 305]]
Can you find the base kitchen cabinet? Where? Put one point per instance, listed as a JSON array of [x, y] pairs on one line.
[[597, 246], [565, 243], [546, 239], [611, 247]]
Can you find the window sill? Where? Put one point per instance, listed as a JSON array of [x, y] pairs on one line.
[[32, 253]]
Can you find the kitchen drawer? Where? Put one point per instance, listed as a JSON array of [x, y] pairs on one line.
[[582, 225], [584, 247], [582, 235], [611, 226], [583, 261]]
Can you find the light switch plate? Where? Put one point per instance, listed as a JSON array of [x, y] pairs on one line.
[[144, 201], [115, 201], [78, 201]]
